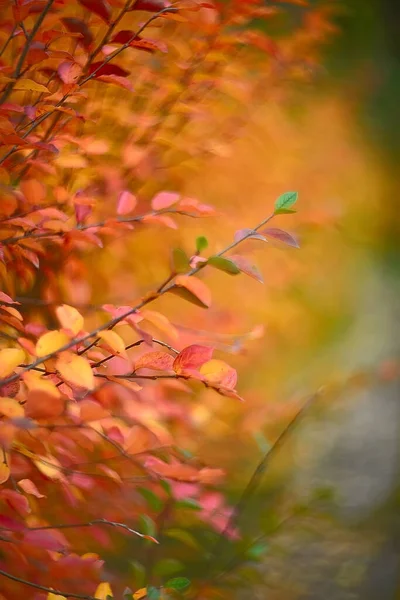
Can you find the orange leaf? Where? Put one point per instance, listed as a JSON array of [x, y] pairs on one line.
[[114, 341], [10, 358], [4, 472], [158, 361], [218, 371], [34, 381], [49, 466], [33, 190], [41, 405], [50, 342], [70, 318], [92, 411], [75, 370], [11, 408], [192, 289], [30, 488], [192, 358]]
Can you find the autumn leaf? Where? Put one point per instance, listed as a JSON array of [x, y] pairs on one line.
[[51, 342], [10, 358], [11, 408], [161, 322], [99, 7], [246, 267], [164, 200], [114, 342], [70, 318], [219, 372], [103, 591], [4, 472], [192, 358], [158, 361], [29, 487], [28, 85], [126, 203], [75, 370], [282, 236], [192, 289]]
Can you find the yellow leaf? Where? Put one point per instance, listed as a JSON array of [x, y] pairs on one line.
[[4, 472], [49, 466], [219, 372], [161, 322], [114, 341], [50, 342], [139, 594], [51, 596], [9, 359], [30, 86], [34, 381], [103, 591], [70, 318], [11, 408], [75, 370]]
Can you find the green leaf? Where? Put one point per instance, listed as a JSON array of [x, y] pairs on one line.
[[223, 264], [153, 593], [284, 202], [178, 583], [257, 550], [183, 536], [167, 566], [151, 498], [166, 486], [180, 260], [188, 503], [201, 243], [147, 525]]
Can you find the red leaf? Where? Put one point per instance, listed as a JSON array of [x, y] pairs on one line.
[[124, 36], [246, 267], [17, 501], [45, 539], [79, 26], [116, 80], [192, 358], [151, 5], [282, 236], [69, 72], [158, 361], [107, 69], [100, 7]]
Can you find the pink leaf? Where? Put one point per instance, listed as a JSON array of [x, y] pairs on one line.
[[164, 200], [282, 236], [126, 202]]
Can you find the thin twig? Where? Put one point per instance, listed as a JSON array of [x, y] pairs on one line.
[[43, 588], [146, 300]]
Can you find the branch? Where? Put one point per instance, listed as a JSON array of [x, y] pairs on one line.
[[44, 588], [88, 524], [36, 122], [25, 50], [111, 324], [33, 233]]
